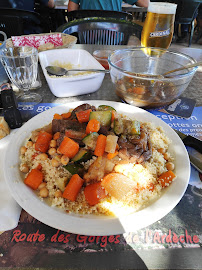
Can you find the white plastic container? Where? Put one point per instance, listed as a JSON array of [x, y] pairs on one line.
[[73, 85]]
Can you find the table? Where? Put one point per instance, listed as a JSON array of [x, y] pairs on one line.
[[143, 249], [194, 90]]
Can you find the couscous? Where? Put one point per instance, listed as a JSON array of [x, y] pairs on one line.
[[96, 161]]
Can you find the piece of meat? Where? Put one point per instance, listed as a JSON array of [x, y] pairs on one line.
[[123, 154], [98, 169], [140, 141], [75, 134], [123, 142], [104, 130], [80, 108], [136, 149], [60, 139], [60, 125], [62, 134]]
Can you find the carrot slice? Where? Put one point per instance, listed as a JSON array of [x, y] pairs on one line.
[[94, 193], [68, 147], [93, 126], [43, 141], [166, 178], [66, 115], [57, 116], [100, 145], [112, 155], [73, 187], [56, 136], [34, 179], [39, 167], [113, 115], [83, 116]]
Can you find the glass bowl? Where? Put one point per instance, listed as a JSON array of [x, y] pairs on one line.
[[133, 72]]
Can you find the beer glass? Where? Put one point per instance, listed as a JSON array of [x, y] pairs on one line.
[[21, 65], [159, 25]]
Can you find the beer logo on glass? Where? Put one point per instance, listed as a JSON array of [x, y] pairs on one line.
[[160, 33]]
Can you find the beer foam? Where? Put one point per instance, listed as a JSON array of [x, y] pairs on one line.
[[162, 8]]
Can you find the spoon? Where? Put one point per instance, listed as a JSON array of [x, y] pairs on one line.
[[184, 67], [161, 76], [59, 71]]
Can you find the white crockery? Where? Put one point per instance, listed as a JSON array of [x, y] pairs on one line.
[[72, 85], [92, 224]]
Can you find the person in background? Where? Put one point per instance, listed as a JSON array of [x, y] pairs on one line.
[[115, 5], [25, 4], [30, 27]]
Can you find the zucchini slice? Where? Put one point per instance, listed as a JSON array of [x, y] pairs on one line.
[[91, 140], [104, 117], [118, 126], [74, 168], [135, 127], [105, 108], [125, 126], [82, 156]]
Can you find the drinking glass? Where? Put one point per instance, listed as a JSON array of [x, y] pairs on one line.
[[159, 25], [21, 65]]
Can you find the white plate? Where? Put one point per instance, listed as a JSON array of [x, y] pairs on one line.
[[95, 225]]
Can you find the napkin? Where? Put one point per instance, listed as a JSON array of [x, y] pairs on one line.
[[9, 209], [37, 40]]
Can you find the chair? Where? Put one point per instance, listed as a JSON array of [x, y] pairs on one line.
[[185, 14], [105, 31], [51, 18], [85, 13], [18, 22]]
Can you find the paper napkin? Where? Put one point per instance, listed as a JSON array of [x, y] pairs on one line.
[[37, 40], [9, 209]]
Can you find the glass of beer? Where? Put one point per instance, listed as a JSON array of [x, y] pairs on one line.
[[159, 25]]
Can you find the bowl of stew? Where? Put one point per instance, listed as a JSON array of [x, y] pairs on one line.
[[137, 74]]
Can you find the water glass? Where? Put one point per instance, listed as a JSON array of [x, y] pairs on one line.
[[21, 65]]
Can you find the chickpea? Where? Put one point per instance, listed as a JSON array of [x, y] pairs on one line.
[[24, 168], [58, 151], [58, 193], [43, 192], [29, 144], [52, 151], [55, 163], [42, 185], [53, 143], [161, 150], [43, 156], [170, 166], [64, 160], [166, 156], [58, 158], [23, 150]]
